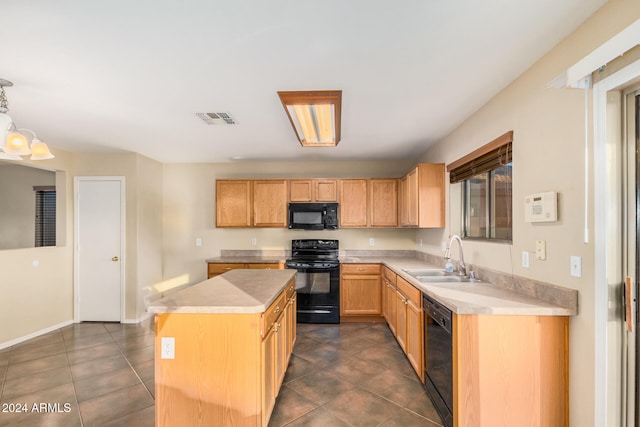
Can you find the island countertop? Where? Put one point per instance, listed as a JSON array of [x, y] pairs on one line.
[[237, 291]]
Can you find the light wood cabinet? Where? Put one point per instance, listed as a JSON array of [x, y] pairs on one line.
[[233, 203], [313, 190], [510, 370], [353, 203], [360, 290], [228, 367], [422, 197], [383, 202], [410, 324], [389, 298], [270, 203], [216, 268]]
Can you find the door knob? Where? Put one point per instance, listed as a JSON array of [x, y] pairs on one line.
[[115, 258]]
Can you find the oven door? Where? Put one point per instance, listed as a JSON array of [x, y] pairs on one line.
[[318, 294]]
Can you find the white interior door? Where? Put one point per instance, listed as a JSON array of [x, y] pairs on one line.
[[98, 248]]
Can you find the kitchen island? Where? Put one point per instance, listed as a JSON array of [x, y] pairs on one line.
[[222, 347]]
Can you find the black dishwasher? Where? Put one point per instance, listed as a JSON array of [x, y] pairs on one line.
[[438, 358]]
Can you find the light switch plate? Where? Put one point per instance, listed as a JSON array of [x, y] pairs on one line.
[[525, 259], [576, 266]]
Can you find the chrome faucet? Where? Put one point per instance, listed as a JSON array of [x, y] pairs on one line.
[[462, 268]]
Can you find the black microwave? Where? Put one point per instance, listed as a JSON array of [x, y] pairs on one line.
[[313, 216]]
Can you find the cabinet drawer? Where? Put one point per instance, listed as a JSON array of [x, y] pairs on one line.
[[219, 268], [272, 313], [389, 275], [360, 269], [410, 291], [267, 265], [290, 289]]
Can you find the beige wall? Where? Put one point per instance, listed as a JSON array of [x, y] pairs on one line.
[[548, 155], [189, 213], [17, 225], [37, 283]]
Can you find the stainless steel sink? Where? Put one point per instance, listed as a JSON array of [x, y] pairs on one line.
[[437, 276], [428, 272]]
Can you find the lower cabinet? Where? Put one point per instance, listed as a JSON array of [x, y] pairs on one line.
[[228, 367], [216, 268], [389, 298], [360, 290]]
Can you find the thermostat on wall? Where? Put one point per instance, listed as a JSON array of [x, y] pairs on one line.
[[541, 207]]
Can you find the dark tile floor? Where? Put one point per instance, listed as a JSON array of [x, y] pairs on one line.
[[101, 374]]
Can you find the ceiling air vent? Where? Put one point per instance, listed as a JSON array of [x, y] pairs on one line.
[[217, 118]]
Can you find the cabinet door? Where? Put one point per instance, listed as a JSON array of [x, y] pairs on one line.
[[233, 203], [401, 320], [281, 349], [269, 353], [326, 190], [412, 200], [214, 268], [360, 295], [415, 337], [383, 202], [291, 325], [301, 190], [403, 218], [353, 203], [390, 303], [431, 195], [270, 203]]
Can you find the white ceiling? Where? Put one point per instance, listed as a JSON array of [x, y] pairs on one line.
[[131, 75]]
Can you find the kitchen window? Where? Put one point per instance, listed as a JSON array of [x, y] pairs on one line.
[[45, 218], [486, 178]]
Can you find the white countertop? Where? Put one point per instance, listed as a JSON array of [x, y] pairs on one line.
[[237, 291], [470, 297]]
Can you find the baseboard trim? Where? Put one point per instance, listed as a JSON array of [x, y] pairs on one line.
[[34, 334], [142, 318]]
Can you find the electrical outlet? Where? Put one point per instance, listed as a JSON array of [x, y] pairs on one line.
[[254, 241], [168, 350], [525, 259], [198, 241], [576, 266], [372, 241], [541, 249]]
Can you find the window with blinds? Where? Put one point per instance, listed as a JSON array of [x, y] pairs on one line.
[[45, 216], [486, 177]]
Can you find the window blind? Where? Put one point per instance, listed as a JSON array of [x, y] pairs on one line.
[[488, 157], [45, 216]]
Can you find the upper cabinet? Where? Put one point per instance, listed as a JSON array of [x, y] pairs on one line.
[[270, 203], [313, 190], [233, 203], [383, 202], [422, 197], [415, 200], [352, 207], [246, 203]]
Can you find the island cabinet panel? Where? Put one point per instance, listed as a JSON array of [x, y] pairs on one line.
[[227, 367], [233, 203], [217, 360], [510, 371], [270, 203]]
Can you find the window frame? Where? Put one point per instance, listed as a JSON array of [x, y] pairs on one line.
[[484, 160]]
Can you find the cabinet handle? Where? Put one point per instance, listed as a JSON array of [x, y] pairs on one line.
[[278, 309]]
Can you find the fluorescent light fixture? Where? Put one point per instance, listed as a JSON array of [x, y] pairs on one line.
[[314, 115]]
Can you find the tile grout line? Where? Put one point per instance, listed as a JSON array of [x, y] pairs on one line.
[[73, 382]]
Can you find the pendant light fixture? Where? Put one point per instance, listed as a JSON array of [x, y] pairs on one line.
[[13, 142]]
